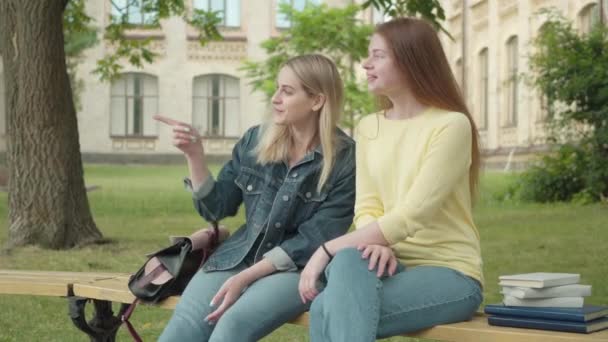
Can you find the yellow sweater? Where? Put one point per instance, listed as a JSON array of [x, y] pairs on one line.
[[413, 179]]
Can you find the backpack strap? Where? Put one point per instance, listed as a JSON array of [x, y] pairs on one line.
[[215, 238], [214, 242], [148, 278], [125, 319]]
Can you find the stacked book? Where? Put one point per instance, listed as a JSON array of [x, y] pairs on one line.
[[548, 301]]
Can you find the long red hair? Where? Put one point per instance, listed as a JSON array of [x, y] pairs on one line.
[[420, 57]]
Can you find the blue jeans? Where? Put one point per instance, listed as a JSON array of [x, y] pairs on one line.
[[264, 306], [356, 305]]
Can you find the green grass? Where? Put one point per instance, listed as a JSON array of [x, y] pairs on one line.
[[138, 207]]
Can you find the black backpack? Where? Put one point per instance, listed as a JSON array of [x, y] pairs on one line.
[[168, 271]]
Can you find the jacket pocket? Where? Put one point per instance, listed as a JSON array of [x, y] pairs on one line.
[[310, 202], [252, 186], [249, 182]]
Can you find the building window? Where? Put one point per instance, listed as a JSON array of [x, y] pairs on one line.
[[298, 5], [229, 10], [216, 105], [484, 88], [512, 82], [133, 11], [588, 18], [134, 100]]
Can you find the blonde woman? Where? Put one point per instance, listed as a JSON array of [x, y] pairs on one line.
[[295, 176]]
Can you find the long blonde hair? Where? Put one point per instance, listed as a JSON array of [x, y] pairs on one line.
[[318, 75]]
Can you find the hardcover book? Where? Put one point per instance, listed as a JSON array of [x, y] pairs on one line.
[[584, 314], [573, 290], [539, 279], [545, 324], [556, 302]]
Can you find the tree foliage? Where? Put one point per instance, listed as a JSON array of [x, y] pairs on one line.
[[571, 70], [338, 34], [81, 35], [429, 10], [136, 51]]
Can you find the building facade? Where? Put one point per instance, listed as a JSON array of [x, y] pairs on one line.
[[188, 82], [204, 86], [489, 55], [197, 84]]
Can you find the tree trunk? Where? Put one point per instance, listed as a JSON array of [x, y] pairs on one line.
[[47, 201]]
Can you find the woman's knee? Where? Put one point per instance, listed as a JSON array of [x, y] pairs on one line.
[[195, 301], [193, 307], [347, 259], [346, 264], [236, 326], [186, 324], [188, 318]]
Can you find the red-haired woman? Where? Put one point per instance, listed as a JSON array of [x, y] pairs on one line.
[[414, 260]]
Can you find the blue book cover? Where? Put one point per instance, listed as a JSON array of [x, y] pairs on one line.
[[546, 324], [584, 314]]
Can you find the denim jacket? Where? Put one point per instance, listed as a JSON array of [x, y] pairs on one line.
[[287, 219]]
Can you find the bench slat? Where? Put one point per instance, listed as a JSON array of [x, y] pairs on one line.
[[48, 283], [57, 274], [478, 330], [115, 290], [38, 288], [113, 287]]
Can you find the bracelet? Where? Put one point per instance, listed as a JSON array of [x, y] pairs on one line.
[[327, 251]]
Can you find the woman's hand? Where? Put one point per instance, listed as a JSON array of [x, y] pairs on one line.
[[228, 294], [185, 137], [310, 274], [379, 256]]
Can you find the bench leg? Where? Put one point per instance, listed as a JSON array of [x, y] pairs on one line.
[[103, 326]]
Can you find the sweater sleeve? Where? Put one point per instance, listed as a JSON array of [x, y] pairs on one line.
[[446, 161]]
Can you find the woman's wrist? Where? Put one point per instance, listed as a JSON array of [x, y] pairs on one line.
[[199, 171], [326, 251], [260, 269], [249, 275], [331, 247], [196, 157]]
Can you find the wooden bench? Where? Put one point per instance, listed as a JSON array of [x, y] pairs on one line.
[[104, 288]]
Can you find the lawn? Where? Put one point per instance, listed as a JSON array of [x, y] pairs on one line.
[[138, 207]]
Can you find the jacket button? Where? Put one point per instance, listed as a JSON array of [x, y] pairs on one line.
[[249, 187], [269, 245], [294, 175], [285, 198], [277, 225], [308, 195]]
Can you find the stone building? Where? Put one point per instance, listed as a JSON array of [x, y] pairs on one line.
[[204, 86]]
